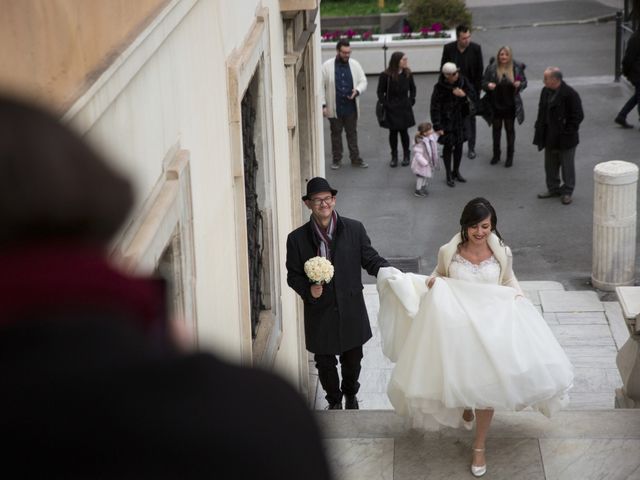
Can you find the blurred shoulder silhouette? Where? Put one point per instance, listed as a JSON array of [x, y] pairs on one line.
[[92, 385]]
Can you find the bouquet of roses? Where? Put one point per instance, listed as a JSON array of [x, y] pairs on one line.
[[319, 270]]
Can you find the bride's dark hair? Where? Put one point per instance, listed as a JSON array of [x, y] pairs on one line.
[[474, 212]]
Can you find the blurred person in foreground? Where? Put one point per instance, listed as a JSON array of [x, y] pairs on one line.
[[93, 385]]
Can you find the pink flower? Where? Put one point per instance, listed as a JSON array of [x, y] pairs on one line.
[[350, 33], [406, 29], [367, 35], [425, 30], [518, 78], [436, 27]]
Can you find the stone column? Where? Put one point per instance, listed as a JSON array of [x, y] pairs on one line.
[[614, 224]]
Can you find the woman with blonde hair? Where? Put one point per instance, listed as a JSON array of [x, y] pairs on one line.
[[503, 81]]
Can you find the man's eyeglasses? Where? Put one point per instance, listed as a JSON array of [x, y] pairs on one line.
[[319, 201]]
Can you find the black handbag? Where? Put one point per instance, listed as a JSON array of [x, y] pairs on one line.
[[381, 111]]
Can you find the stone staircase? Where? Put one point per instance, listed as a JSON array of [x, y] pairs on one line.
[[573, 445], [589, 440]]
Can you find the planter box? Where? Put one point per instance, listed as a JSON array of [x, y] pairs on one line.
[[424, 53], [370, 55]]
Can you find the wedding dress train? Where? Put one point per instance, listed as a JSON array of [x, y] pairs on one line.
[[467, 344]]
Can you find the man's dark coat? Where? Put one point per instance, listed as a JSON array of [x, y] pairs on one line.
[[469, 62], [337, 321], [558, 130]]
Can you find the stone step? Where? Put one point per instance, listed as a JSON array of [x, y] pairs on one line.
[[614, 423], [372, 445]]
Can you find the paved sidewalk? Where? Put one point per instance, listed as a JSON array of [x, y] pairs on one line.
[[590, 331]]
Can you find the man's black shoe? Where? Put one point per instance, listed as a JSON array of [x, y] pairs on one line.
[[471, 154], [351, 402], [622, 122], [335, 406]]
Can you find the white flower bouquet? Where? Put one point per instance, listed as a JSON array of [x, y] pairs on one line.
[[319, 270]]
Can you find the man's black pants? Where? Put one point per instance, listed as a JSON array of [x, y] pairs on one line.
[[328, 373]]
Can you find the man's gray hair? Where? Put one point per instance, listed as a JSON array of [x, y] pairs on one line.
[[555, 72]]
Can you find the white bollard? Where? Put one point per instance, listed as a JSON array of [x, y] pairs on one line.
[[614, 224]]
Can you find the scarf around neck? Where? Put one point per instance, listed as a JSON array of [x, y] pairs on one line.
[[37, 280], [324, 237]]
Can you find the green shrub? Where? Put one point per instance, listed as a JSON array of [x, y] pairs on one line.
[[449, 13]]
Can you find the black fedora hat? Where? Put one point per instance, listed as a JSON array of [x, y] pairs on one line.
[[318, 184]]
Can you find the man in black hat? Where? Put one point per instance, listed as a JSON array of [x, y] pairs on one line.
[[335, 316]]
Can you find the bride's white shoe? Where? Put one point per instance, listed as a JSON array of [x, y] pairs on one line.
[[478, 470]]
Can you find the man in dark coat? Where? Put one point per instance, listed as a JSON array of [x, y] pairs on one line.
[[631, 70], [450, 106], [467, 55], [335, 316], [556, 131], [93, 386]]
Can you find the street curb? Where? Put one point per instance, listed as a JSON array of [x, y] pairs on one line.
[[600, 19]]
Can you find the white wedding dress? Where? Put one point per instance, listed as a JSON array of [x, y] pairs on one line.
[[467, 343]]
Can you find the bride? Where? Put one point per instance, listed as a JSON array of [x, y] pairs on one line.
[[465, 340]]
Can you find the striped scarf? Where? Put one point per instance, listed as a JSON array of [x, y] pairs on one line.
[[323, 236]]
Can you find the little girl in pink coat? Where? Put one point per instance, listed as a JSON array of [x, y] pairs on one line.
[[425, 157]]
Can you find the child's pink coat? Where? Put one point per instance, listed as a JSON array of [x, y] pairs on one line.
[[425, 156]]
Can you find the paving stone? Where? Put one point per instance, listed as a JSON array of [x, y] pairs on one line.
[[584, 335], [617, 323], [573, 301], [581, 318], [374, 381], [603, 380], [540, 285], [361, 458], [587, 459], [450, 458], [592, 401]]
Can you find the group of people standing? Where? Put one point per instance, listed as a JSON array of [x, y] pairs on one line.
[[464, 90], [455, 101]]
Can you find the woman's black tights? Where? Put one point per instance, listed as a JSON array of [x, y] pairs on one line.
[[508, 122], [393, 142]]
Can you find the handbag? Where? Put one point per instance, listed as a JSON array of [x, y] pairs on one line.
[[381, 111]]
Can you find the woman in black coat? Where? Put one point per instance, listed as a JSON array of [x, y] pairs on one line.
[[503, 81], [397, 92], [450, 105]]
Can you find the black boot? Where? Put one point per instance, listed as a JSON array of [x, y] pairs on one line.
[[394, 160], [459, 177], [450, 180], [405, 158], [509, 161]]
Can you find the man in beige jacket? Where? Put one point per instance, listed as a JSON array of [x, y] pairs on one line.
[[343, 82]]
